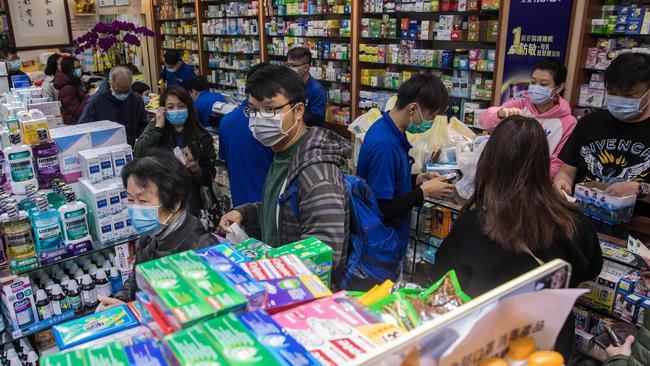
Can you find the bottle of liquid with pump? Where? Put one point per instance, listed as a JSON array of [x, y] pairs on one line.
[[21, 166], [46, 155], [17, 233], [47, 230], [74, 217]]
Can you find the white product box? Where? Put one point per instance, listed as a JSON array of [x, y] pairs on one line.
[[103, 229], [96, 197], [119, 226], [114, 199], [118, 157], [90, 166], [18, 303], [105, 163]]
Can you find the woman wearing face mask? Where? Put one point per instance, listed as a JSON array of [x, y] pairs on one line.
[[72, 96], [158, 187], [176, 125], [544, 103], [53, 66]]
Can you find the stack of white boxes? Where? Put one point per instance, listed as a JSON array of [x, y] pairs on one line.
[[101, 189], [51, 110]]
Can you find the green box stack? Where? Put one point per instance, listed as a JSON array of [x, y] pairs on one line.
[[316, 255]]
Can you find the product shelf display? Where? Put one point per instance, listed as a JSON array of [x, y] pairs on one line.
[[325, 27], [231, 42], [176, 25], [611, 27], [455, 40]]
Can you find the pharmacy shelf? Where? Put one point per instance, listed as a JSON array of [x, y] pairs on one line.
[[332, 38], [208, 17], [450, 44], [385, 64], [175, 19], [230, 35], [171, 35], [97, 247], [428, 14], [641, 36], [234, 53], [343, 15]]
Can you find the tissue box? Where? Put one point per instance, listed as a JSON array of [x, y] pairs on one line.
[[313, 252], [595, 203], [94, 326]]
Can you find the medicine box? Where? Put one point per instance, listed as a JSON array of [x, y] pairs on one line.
[[18, 304], [594, 202], [640, 318], [631, 307]]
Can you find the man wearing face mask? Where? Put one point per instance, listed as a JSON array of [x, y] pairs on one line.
[[204, 99], [544, 102], [613, 146], [176, 72], [304, 192], [10, 57], [384, 160], [299, 60], [115, 101], [158, 188]]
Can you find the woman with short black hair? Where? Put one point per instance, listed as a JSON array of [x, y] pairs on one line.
[[158, 186], [53, 66]]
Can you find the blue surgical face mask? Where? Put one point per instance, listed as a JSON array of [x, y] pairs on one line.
[[145, 219], [14, 65], [624, 108], [146, 99], [120, 96], [176, 117], [78, 72], [538, 94]]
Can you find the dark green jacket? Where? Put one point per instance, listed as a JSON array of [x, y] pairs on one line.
[[640, 349]]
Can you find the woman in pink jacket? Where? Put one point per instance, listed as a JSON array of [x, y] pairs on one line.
[[545, 104]]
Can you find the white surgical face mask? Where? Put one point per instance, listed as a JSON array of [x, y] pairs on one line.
[[268, 131]]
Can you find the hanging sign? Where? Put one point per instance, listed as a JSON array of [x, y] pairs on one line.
[[537, 29]]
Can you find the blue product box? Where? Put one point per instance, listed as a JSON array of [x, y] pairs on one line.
[[94, 326], [282, 346], [637, 14], [252, 290], [145, 354], [231, 253], [633, 27]]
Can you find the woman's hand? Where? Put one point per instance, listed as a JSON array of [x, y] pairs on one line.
[[160, 117], [232, 217], [507, 112], [190, 163], [622, 189], [624, 350], [107, 303]]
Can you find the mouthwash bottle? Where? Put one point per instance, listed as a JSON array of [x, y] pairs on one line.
[[74, 217], [47, 231], [17, 233], [21, 166], [29, 203], [55, 198], [46, 155]]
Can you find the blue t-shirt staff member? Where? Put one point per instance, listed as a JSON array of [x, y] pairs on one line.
[[204, 99], [247, 160], [176, 72], [299, 59], [384, 161]]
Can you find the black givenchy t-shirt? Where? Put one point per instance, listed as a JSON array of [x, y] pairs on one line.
[[607, 150]]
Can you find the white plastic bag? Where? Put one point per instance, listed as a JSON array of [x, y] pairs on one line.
[[236, 234], [467, 156]]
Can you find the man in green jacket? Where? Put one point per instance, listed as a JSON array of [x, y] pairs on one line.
[[633, 352]]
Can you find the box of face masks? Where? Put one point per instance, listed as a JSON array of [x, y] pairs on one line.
[[594, 202]]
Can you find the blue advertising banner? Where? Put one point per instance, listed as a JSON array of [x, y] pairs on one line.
[[536, 29]]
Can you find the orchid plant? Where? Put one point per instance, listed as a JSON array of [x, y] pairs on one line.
[[115, 43]]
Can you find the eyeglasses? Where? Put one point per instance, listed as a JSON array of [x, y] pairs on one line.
[[266, 112]]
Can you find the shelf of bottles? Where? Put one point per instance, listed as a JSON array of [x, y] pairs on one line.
[[231, 42], [178, 29], [612, 27], [323, 26], [454, 40]]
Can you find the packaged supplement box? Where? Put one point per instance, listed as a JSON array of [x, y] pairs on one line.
[[281, 345], [252, 290], [209, 284], [169, 292], [285, 293], [273, 268], [93, 326], [193, 347], [316, 255], [253, 249], [232, 339]]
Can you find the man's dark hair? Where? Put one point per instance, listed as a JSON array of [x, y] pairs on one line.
[[271, 80], [627, 70], [198, 83], [426, 90], [139, 87], [256, 67], [172, 57], [52, 65], [554, 67], [8, 50], [161, 168], [299, 53]]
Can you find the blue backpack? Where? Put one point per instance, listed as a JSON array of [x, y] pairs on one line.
[[375, 252]]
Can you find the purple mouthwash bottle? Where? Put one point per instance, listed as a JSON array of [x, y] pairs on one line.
[[46, 155]]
